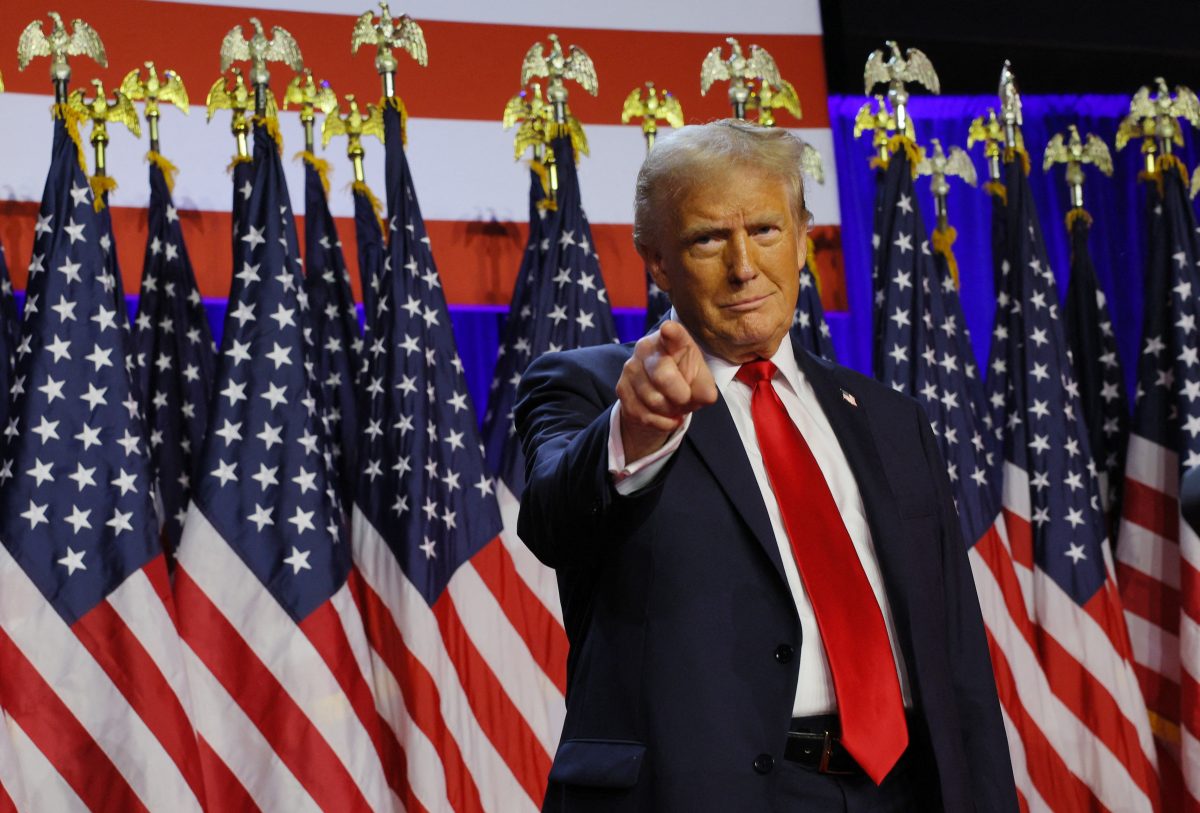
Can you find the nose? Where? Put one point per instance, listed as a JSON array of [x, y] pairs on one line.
[[739, 260]]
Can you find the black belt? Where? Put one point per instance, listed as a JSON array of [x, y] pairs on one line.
[[814, 742]]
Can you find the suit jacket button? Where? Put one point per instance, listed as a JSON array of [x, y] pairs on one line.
[[784, 653], [763, 763]]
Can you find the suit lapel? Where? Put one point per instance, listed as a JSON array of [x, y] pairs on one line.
[[716, 440]]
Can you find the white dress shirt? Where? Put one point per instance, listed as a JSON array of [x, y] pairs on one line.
[[814, 689]]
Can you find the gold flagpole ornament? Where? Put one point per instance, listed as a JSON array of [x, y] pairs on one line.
[[100, 112], [258, 51], [310, 96], [881, 124], [530, 111], [1155, 119], [354, 125], [82, 41], [388, 34], [651, 110], [1010, 116], [738, 69], [1075, 152], [987, 131], [896, 71], [941, 166], [154, 91], [230, 93], [768, 98]]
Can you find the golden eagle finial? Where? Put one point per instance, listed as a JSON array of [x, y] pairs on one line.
[[388, 34], [154, 90], [738, 69], [1075, 152], [354, 125], [101, 112], [311, 96], [557, 67], [651, 110], [897, 71], [231, 93], [258, 50], [58, 45]]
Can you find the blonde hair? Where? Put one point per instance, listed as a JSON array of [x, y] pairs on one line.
[[681, 156]]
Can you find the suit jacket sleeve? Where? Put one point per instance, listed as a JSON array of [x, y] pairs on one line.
[[570, 510], [984, 740]]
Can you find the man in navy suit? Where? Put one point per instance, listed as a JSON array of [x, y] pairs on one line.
[[763, 580]]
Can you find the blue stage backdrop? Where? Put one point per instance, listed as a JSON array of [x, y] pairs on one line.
[[1116, 204]]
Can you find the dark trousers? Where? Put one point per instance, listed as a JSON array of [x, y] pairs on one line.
[[910, 787]]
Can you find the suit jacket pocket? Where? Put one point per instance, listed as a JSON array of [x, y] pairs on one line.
[[598, 763]]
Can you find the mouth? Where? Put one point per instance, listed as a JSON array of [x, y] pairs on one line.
[[746, 305]]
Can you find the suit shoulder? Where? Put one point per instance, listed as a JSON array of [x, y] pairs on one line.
[[873, 393], [603, 361]]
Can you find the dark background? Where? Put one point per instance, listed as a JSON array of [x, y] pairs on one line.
[[1054, 47]]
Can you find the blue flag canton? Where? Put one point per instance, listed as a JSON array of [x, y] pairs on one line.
[[265, 481], [76, 507], [175, 356], [502, 448], [808, 323], [1032, 385], [333, 322], [10, 334], [422, 481], [1167, 400], [371, 256], [927, 354]]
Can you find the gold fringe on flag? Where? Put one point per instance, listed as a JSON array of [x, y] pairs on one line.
[[547, 203], [997, 190], [943, 243], [1162, 165], [361, 188], [319, 164], [398, 104], [71, 118], [1012, 152], [902, 142], [169, 170], [238, 159], [271, 125], [101, 186], [1078, 213], [810, 262], [878, 163]]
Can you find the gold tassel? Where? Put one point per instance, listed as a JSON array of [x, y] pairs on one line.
[[1078, 214], [397, 103], [1011, 153], [361, 188], [997, 190], [547, 203], [1162, 165], [878, 163], [271, 125], [810, 262], [903, 142], [943, 243], [72, 118], [169, 170], [239, 159], [319, 164], [101, 185]]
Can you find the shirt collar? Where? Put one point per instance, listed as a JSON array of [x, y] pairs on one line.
[[724, 372]]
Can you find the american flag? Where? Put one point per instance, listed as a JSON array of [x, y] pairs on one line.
[[276, 654], [10, 333], [808, 324], [462, 668], [371, 255], [1158, 555], [1099, 752], [93, 683], [657, 303], [333, 321], [1097, 367], [174, 350]]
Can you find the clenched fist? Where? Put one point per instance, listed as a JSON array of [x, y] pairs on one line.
[[664, 380]]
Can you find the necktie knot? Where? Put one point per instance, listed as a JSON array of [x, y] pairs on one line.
[[752, 372]]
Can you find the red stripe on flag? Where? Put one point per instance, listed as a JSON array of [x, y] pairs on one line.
[[292, 735], [59, 735], [225, 791], [1160, 692], [1057, 785], [461, 54], [1020, 538], [137, 677], [1149, 598], [160, 580], [477, 260], [324, 630], [1150, 508], [497, 716], [545, 637], [422, 699]]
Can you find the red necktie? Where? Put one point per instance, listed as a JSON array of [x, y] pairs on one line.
[[848, 616]]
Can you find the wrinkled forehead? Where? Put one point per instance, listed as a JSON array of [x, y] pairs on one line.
[[708, 188]]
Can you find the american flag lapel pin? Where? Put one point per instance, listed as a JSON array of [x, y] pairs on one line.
[[849, 399]]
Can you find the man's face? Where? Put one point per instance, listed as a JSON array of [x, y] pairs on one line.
[[730, 259]]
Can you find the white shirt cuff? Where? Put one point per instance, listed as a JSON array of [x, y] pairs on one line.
[[630, 478]]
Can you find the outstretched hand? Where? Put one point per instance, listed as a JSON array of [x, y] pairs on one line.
[[664, 380]]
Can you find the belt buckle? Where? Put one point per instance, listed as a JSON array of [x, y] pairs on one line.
[[827, 756]]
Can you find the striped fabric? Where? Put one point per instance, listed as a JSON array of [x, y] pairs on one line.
[[473, 193]]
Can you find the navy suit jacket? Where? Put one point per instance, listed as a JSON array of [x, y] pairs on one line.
[[683, 630]]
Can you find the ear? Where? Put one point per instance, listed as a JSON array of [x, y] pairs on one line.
[[652, 258], [802, 245]]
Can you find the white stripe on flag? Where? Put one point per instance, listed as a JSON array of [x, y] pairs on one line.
[[86, 690], [283, 649], [1146, 551], [39, 786], [1154, 647], [540, 579], [498, 787], [1152, 465], [241, 746]]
